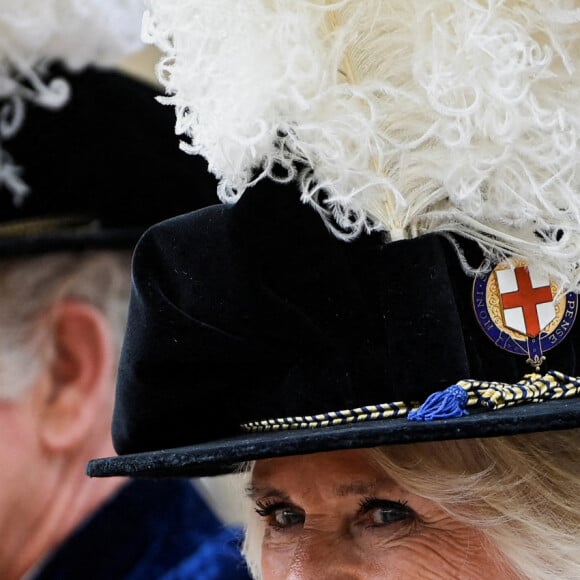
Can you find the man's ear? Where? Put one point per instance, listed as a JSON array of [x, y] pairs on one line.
[[77, 392]]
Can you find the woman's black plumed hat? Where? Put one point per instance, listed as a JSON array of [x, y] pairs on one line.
[[245, 313], [433, 146]]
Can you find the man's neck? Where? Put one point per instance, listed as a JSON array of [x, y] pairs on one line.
[[67, 502]]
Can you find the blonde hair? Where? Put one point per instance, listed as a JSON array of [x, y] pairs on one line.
[[521, 492], [30, 286]]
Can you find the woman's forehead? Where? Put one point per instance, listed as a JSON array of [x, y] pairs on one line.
[[343, 473]]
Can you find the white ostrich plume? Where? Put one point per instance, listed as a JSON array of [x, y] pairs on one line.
[[36, 33], [410, 116]]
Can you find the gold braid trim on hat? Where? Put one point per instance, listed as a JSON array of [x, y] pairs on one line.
[[487, 395], [48, 225]]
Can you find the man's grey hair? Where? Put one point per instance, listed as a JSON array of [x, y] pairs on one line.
[[31, 286]]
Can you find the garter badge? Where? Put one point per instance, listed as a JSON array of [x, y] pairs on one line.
[[522, 311]]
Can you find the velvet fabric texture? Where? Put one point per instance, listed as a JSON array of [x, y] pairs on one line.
[[150, 530], [256, 311], [100, 170]]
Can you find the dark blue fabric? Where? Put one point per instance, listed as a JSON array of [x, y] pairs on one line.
[[152, 530]]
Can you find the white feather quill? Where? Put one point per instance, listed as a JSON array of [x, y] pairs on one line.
[[410, 115], [35, 33]]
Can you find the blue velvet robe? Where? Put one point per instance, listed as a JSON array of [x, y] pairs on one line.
[[151, 530]]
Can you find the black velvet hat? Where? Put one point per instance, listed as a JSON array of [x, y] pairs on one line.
[[98, 170], [430, 296], [253, 332]]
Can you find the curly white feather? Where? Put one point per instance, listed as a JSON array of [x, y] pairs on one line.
[[34, 33], [408, 115], [78, 32]]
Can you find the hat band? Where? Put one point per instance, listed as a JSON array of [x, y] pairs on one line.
[[42, 226], [451, 403]]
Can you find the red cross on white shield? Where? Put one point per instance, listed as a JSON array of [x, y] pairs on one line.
[[527, 300]]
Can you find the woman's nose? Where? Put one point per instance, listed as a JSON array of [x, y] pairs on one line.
[[322, 556]]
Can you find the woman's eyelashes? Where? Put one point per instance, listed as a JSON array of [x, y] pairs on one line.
[[375, 512], [371, 513], [280, 515]]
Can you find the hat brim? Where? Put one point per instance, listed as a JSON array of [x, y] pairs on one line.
[[226, 455], [110, 239]]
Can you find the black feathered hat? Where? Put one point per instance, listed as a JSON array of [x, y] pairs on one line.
[[98, 170], [434, 294], [246, 341]]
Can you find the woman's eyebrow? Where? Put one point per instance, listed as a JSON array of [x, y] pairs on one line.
[[265, 492]]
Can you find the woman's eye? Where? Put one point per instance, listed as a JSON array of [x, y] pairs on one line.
[[378, 512], [381, 516], [280, 516], [285, 518]]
